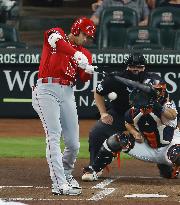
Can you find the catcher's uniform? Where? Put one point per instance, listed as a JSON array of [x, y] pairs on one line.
[[54, 101], [158, 136]]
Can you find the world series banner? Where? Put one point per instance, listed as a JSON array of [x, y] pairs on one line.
[[19, 69]]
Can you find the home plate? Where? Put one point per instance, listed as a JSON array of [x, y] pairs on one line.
[[145, 196]]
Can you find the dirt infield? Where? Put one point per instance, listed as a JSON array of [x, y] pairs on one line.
[[33, 127], [27, 180]]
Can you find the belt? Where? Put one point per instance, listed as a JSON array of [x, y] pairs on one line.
[[55, 80]]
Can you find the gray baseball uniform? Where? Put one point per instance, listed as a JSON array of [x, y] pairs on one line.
[[54, 101]]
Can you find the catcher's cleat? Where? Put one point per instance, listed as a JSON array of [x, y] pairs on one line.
[[175, 172], [167, 171], [89, 174], [71, 181], [65, 189]]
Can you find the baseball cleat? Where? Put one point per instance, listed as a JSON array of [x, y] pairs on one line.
[[167, 171], [90, 174], [65, 189], [175, 172], [71, 181]]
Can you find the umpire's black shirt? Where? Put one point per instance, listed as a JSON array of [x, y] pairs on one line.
[[110, 84]]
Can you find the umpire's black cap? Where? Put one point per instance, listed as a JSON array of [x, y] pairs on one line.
[[135, 59]]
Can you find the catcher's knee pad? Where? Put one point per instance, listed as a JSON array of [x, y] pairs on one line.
[[103, 158], [121, 142], [117, 142], [173, 154]]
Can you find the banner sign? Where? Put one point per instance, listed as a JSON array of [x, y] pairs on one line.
[[30, 56], [18, 73]]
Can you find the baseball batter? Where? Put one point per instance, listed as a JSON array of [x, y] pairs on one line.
[[63, 60]]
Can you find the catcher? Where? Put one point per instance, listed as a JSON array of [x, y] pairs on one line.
[[152, 134]]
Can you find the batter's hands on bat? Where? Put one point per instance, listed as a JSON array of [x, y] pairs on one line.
[[106, 118], [81, 59], [90, 69], [83, 63]]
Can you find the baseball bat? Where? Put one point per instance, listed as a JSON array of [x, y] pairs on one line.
[[130, 83], [134, 84]]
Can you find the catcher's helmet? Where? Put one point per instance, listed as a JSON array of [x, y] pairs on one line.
[[85, 25], [144, 100], [174, 154], [158, 85], [136, 59]]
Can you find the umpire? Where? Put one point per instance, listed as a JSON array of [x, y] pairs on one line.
[[112, 119]]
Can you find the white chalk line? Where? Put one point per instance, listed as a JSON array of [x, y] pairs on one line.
[[100, 185], [105, 191], [35, 187], [39, 199], [100, 195], [145, 196], [103, 183]]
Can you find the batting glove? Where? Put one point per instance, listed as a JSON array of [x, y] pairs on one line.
[[81, 59], [90, 69]]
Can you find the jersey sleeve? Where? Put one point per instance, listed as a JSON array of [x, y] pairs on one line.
[[55, 39], [167, 122], [82, 74], [170, 104], [104, 87]]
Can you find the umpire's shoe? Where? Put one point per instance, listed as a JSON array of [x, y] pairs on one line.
[[66, 189], [90, 175]]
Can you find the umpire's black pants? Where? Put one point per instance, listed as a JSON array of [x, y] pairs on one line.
[[100, 132]]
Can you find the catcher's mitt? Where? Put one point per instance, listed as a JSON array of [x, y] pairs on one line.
[[140, 99]]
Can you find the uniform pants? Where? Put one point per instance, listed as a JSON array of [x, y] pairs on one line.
[[144, 152], [56, 107]]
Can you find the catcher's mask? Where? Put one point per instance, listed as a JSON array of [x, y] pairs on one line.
[[158, 85], [144, 101], [135, 65]]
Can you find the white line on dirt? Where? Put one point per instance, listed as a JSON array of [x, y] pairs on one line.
[[138, 177], [35, 187], [100, 195], [103, 184], [105, 191], [34, 199], [145, 196], [10, 203]]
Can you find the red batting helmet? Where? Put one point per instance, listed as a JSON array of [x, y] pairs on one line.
[[85, 25]]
